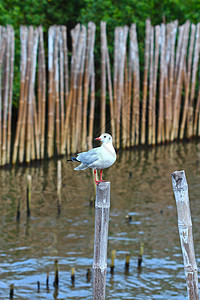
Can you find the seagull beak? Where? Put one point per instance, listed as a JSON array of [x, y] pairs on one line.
[[97, 139]]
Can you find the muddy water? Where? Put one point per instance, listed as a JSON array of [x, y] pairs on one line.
[[140, 187]]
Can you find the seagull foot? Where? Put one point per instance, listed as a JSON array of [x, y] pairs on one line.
[[97, 182]]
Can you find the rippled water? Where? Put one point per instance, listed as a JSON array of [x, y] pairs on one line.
[[140, 186]]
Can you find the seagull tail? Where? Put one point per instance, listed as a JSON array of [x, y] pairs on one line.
[[81, 167]]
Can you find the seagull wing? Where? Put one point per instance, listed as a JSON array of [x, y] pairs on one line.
[[89, 157]]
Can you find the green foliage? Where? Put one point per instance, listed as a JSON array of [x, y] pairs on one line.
[[113, 12]]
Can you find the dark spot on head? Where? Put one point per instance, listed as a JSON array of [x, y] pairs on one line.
[[104, 136], [109, 138]]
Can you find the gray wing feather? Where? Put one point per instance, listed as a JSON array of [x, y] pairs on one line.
[[88, 157]]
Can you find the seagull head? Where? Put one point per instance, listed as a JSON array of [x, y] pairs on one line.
[[105, 138]]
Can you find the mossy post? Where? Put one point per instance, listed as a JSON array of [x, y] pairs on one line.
[[180, 188], [102, 208]]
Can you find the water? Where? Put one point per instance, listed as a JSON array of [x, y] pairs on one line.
[[140, 186]]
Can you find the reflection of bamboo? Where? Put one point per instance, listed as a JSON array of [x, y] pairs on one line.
[[180, 188], [145, 81], [193, 84], [43, 105], [23, 38], [155, 74], [6, 95], [188, 76], [103, 77], [150, 127], [10, 93]]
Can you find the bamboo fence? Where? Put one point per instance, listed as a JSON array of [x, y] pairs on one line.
[[154, 103]]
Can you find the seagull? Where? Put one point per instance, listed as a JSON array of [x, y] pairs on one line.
[[97, 158]]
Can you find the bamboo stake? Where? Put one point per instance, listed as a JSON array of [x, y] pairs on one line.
[[31, 95], [171, 75], [196, 114], [102, 207], [193, 83], [92, 90], [25, 95], [51, 36], [115, 81], [103, 77], [56, 88], [43, 104], [188, 76], [77, 137], [178, 87], [5, 96], [2, 49], [180, 188], [136, 90], [66, 82], [145, 81], [62, 113], [150, 127], [23, 39], [39, 92], [161, 87], [155, 74], [12, 49]]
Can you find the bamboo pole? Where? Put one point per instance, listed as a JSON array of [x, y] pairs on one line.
[[2, 49], [145, 81], [23, 61], [92, 89], [161, 87], [193, 83], [56, 88], [136, 90], [196, 114], [155, 75], [171, 74], [25, 94], [12, 49], [102, 207], [51, 37], [103, 77], [39, 92], [179, 81], [115, 80], [150, 127], [43, 104], [31, 95], [180, 188], [5, 96], [62, 110], [82, 48], [188, 77]]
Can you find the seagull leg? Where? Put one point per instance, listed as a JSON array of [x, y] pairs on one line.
[[101, 172], [95, 179]]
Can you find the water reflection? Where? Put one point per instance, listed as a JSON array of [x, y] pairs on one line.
[[140, 188]]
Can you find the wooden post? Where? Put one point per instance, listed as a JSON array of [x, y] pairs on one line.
[[28, 196], [180, 188], [102, 207], [11, 291]]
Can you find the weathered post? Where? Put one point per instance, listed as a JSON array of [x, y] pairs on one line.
[[180, 188], [102, 208]]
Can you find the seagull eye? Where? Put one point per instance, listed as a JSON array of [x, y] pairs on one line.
[[104, 136], [109, 138]]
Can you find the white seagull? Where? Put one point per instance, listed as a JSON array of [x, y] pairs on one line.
[[97, 158]]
